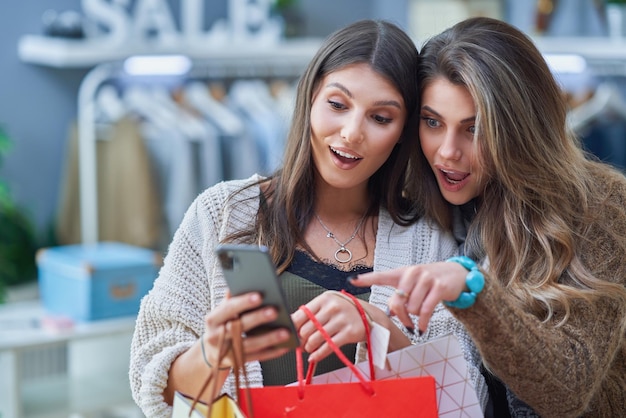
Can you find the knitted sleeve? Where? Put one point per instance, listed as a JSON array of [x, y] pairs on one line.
[[422, 243], [171, 316], [577, 369]]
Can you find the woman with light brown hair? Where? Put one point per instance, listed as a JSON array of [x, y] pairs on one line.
[[541, 226]]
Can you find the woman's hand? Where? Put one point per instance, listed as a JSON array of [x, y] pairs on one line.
[[339, 317], [419, 288], [247, 308], [189, 371]]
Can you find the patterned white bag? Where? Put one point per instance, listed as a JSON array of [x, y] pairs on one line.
[[441, 358]]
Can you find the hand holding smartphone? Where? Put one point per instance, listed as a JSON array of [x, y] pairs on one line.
[[249, 268]]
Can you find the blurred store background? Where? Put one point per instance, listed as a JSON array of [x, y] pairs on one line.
[[116, 113]]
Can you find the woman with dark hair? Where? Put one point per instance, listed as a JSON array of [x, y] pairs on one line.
[[541, 226], [340, 205]]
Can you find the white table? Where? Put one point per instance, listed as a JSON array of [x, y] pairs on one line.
[[93, 376]]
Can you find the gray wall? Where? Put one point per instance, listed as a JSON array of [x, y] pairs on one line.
[[37, 106], [39, 103]]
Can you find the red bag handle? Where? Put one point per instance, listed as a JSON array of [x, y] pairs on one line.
[[364, 382], [366, 324], [368, 331]]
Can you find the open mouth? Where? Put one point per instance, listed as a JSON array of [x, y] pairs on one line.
[[453, 177], [344, 156]]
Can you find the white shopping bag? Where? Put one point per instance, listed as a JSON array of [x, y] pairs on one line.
[[441, 358]]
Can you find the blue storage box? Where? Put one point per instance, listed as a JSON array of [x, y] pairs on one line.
[[95, 281]]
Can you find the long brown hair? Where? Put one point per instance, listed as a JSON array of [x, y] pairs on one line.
[[541, 190], [287, 206]]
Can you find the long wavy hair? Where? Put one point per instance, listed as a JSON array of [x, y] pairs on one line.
[[288, 202], [541, 193]]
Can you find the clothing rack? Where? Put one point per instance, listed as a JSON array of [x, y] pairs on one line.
[[282, 61], [606, 58]]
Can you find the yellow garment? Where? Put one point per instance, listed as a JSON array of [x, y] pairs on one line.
[[129, 208]]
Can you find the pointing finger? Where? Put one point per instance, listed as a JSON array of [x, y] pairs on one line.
[[385, 278]]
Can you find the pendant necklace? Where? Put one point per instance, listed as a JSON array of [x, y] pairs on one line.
[[342, 245]]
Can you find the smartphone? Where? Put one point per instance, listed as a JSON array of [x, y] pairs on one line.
[[249, 268]]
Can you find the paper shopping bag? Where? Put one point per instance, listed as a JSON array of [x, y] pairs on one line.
[[410, 397], [441, 358], [223, 407]]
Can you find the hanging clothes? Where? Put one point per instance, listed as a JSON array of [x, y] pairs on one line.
[[600, 121], [240, 155], [253, 101], [129, 207]]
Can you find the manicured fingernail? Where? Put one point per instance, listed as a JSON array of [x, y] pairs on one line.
[[352, 278], [412, 331]]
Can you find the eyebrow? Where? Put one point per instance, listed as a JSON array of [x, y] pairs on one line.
[[433, 111], [378, 103]]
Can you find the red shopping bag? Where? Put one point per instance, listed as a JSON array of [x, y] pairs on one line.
[[404, 397], [410, 397]]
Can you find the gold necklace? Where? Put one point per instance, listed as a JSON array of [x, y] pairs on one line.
[[342, 245]]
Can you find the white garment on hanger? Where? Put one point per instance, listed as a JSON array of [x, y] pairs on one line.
[[172, 156], [209, 169], [253, 100], [239, 154], [186, 150], [109, 105], [197, 95], [606, 100]]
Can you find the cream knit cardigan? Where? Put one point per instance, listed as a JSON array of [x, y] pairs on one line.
[[190, 284]]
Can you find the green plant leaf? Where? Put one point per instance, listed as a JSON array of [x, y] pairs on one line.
[[283, 4], [18, 246]]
